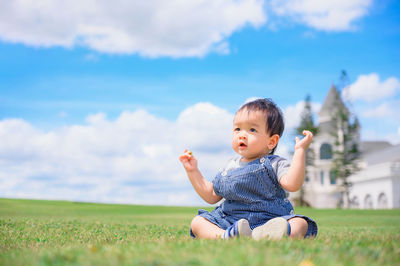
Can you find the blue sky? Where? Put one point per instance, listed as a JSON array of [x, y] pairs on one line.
[[71, 86]]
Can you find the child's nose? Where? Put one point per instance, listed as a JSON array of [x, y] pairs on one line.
[[242, 137]]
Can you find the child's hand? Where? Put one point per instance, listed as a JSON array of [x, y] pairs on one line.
[[304, 142], [188, 161]]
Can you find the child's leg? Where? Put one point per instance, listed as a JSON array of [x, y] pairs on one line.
[[298, 227], [202, 228]]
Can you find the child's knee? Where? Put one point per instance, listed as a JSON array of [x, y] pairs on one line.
[[196, 223], [299, 227]]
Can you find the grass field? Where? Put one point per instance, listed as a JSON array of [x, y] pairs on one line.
[[69, 233]]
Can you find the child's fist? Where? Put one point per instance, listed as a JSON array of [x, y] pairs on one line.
[[304, 142], [188, 161]]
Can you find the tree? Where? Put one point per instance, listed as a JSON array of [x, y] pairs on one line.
[[307, 118], [306, 123], [345, 130]]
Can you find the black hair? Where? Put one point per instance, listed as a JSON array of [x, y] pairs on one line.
[[273, 116]]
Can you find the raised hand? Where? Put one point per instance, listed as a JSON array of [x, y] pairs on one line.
[[304, 142], [188, 161]]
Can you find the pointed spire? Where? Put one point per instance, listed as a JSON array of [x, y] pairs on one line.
[[357, 123], [332, 99], [330, 105]]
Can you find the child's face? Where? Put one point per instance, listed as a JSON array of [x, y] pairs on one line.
[[250, 138]]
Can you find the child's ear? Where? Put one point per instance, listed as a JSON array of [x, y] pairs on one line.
[[273, 141]]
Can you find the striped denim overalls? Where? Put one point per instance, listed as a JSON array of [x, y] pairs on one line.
[[252, 192]]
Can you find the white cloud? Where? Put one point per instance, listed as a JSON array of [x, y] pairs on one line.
[[292, 114], [328, 15], [205, 127], [376, 101], [150, 28], [155, 28], [380, 121], [381, 111], [369, 88], [132, 159]]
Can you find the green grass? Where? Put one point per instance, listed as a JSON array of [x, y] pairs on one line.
[[69, 233]]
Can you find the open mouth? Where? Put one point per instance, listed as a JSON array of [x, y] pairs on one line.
[[242, 145]]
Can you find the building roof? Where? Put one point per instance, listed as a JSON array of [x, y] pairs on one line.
[[381, 154], [332, 99], [368, 147]]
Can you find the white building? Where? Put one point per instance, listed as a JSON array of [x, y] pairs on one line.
[[375, 186]]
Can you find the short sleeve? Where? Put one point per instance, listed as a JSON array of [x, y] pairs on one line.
[[280, 165]]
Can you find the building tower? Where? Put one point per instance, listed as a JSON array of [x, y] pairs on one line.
[[321, 188]]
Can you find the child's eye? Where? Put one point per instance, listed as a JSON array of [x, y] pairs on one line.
[[253, 130], [236, 129]]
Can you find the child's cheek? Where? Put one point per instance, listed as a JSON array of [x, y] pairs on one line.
[[234, 144]]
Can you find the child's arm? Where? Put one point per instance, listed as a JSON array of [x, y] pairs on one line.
[[202, 186], [293, 180]]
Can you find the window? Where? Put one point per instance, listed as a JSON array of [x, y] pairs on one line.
[[325, 151], [382, 201], [368, 202], [322, 178], [354, 203], [332, 177]]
